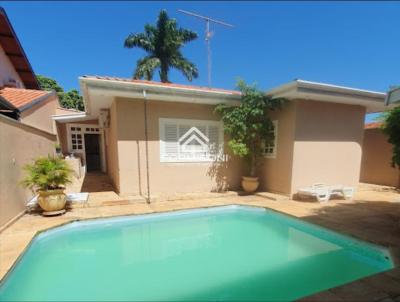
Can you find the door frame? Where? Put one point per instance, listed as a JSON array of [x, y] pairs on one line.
[[95, 141], [83, 130]]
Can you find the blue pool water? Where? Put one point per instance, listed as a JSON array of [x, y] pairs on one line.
[[223, 253]]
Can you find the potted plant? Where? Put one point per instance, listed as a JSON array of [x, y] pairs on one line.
[[57, 146], [249, 128], [48, 176]]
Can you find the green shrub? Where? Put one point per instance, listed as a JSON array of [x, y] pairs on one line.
[[47, 173], [248, 125], [391, 127]]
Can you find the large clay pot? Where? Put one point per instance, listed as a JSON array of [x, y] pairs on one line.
[[52, 201], [250, 184]]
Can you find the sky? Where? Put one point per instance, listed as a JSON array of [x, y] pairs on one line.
[[343, 43]]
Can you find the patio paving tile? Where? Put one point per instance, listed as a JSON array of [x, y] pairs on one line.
[[373, 217]]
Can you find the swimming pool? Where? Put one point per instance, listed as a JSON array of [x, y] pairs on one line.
[[221, 253]]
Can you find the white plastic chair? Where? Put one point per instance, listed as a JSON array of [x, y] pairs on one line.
[[324, 192], [319, 190]]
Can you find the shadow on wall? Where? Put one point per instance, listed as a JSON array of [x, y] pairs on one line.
[[218, 172], [226, 173]]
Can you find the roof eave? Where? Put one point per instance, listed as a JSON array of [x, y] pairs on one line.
[[25, 57], [140, 91], [7, 104], [299, 89], [76, 117], [36, 101], [153, 87]]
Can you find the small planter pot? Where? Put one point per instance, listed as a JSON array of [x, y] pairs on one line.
[[250, 184], [52, 202]]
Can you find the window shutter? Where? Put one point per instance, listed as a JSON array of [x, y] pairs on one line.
[[213, 135], [185, 140], [170, 141]]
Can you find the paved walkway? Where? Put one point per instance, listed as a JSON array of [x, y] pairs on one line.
[[373, 216]]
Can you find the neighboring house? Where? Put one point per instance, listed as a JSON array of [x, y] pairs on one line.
[[20, 95], [376, 165], [15, 69], [26, 128], [167, 136], [32, 107]]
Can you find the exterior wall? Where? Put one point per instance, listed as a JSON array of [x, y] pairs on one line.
[[376, 160], [39, 116], [328, 140], [7, 70], [111, 147], [276, 173], [19, 144], [165, 178], [63, 135]]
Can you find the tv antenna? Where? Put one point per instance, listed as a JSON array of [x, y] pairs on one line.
[[207, 37]]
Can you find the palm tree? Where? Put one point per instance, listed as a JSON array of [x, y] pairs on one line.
[[163, 44]]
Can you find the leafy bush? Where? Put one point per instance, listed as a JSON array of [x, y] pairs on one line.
[[47, 173], [391, 127], [248, 125]]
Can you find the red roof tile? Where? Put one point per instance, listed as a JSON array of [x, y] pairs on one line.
[[21, 97], [374, 125], [172, 85]]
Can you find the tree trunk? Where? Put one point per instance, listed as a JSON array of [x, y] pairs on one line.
[[164, 73], [252, 164]]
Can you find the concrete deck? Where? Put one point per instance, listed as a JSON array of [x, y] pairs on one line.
[[373, 216]]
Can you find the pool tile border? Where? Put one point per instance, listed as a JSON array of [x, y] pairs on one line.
[[357, 290]]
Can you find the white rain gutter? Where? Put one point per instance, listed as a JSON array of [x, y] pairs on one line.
[[307, 90], [71, 117], [160, 92]]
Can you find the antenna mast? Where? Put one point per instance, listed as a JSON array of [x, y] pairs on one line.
[[207, 37]]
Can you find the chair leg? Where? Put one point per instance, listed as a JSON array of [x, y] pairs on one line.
[[323, 197]]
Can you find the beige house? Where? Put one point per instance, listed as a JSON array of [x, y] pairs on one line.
[[376, 165], [166, 137]]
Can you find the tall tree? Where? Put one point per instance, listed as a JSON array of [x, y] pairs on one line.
[[163, 44], [70, 99]]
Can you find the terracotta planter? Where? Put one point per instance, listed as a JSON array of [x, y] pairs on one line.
[[250, 184], [52, 202]]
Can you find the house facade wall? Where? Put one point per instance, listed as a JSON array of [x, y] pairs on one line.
[[39, 115], [165, 178], [376, 165], [19, 145], [276, 173], [327, 145], [62, 135], [7, 70], [111, 143]]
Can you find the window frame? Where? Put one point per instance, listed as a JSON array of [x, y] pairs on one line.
[[273, 154], [161, 123], [82, 132]]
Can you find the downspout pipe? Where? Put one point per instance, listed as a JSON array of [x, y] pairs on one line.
[[146, 135]]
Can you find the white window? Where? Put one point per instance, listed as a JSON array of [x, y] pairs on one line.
[[270, 149], [185, 140], [76, 138], [76, 134]]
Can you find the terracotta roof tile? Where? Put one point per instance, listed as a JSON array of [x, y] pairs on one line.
[[172, 85], [374, 125], [22, 97]]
